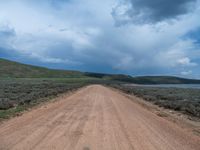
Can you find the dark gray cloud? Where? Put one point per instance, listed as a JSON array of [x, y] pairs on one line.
[[151, 11], [194, 35], [6, 32], [6, 35]]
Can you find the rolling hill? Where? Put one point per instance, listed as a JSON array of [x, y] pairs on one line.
[[11, 69]]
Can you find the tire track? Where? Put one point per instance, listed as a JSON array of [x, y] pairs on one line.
[[94, 118]]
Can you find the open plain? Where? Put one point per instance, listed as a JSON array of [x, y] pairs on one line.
[[94, 118]]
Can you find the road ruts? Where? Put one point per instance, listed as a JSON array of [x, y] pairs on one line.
[[94, 118]]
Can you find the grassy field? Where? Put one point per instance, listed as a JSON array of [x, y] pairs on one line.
[[19, 94], [184, 100]]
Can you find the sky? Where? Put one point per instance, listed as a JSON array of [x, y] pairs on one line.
[[135, 37]]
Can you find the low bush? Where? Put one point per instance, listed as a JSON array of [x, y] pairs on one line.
[[180, 99], [24, 93]]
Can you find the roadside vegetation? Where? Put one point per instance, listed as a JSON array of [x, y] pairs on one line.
[[17, 95], [23, 86], [183, 100]]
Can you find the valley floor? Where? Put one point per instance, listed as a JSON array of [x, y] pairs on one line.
[[94, 118]]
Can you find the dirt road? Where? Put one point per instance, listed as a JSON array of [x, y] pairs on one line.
[[94, 118]]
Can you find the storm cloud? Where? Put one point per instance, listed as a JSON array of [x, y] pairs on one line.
[[140, 37], [7, 34], [151, 11]]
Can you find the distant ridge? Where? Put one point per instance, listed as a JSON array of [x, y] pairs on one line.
[[145, 79], [11, 69], [163, 80]]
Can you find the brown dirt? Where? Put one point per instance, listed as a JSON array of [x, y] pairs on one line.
[[191, 124], [94, 118]]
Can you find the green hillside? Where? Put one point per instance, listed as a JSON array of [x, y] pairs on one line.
[[10, 69]]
